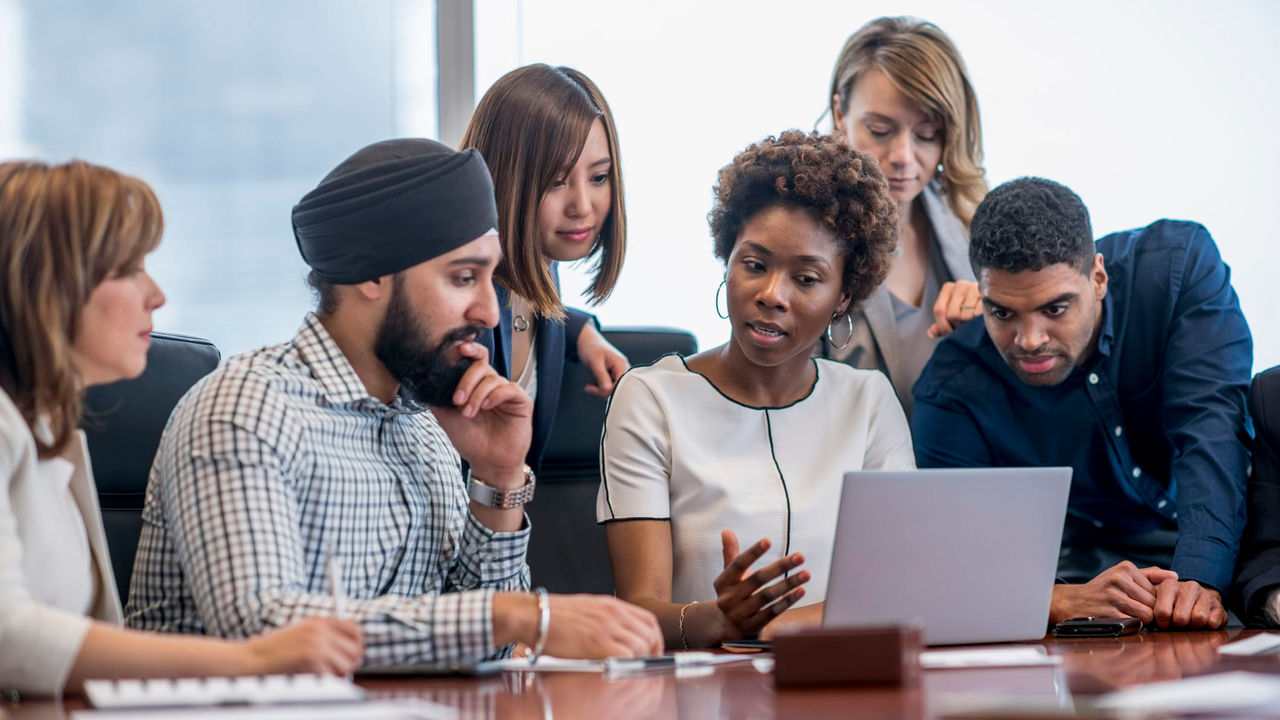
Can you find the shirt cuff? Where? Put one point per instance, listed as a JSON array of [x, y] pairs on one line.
[[495, 559], [1204, 559], [462, 625]]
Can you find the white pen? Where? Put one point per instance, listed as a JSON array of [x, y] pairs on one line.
[[652, 662], [335, 585]]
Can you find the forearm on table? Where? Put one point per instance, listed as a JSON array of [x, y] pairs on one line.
[[110, 652], [704, 624]]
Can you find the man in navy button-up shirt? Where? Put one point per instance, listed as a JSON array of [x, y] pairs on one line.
[[1127, 360]]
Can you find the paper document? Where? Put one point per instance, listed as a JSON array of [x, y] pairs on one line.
[[1013, 656], [674, 661], [1203, 695], [1260, 644]]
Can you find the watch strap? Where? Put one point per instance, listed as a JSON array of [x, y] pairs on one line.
[[493, 497]]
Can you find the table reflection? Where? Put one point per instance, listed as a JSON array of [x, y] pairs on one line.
[[1096, 665]]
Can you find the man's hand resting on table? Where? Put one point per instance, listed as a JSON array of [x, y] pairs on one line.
[[1188, 604], [1123, 589]]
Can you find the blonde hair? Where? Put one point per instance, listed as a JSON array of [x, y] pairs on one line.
[[923, 63], [63, 230], [531, 127]]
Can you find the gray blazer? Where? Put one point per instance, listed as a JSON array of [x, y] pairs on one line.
[[875, 340]]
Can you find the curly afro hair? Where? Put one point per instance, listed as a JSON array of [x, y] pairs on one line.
[[820, 173], [1029, 224]]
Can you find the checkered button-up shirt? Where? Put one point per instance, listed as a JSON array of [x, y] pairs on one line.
[[280, 456]]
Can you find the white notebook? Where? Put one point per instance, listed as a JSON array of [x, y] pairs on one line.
[[203, 692]]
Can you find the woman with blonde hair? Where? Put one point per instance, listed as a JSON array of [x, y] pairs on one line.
[[550, 141], [900, 92], [75, 311]]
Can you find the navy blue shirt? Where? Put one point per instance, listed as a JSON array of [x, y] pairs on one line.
[[1153, 424]]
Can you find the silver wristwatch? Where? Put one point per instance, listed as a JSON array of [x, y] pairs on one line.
[[502, 499]]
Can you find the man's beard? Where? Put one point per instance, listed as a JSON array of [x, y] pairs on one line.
[[402, 346]]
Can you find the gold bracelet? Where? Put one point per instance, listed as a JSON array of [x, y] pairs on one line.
[[684, 640]]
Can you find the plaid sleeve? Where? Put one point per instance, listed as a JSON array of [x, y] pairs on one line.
[[491, 559], [232, 512]]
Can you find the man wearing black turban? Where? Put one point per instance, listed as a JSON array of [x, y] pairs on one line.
[[303, 474]]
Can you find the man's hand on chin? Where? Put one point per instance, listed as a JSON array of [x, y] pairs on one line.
[[1121, 590], [491, 421]]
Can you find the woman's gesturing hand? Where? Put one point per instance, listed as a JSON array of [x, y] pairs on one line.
[[747, 599]]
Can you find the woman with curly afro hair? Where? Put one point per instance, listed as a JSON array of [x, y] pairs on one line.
[[751, 439]]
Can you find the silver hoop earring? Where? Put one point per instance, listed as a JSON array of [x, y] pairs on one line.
[[723, 315], [849, 337]]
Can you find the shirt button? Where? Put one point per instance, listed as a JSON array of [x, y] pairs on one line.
[[1119, 431], [1097, 523], [1093, 378], [1161, 504]]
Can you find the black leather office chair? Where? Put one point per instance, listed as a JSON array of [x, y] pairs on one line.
[[567, 550], [123, 422]]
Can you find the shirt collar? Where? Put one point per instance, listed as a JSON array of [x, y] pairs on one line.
[[1106, 334], [333, 372]]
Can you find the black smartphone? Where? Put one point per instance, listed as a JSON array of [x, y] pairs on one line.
[[1097, 627], [747, 645]]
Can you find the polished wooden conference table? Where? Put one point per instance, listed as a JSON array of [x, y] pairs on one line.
[[1089, 667]]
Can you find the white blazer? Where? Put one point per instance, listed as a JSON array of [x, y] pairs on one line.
[[39, 643]]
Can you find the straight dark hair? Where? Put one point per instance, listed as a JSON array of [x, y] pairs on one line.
[[531, 127]]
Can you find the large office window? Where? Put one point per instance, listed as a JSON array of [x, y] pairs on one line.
[[1147, 108], [231, 111]]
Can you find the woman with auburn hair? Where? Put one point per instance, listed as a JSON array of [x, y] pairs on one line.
[[551, 145], [751, 439], [75, 311], [900, 92]]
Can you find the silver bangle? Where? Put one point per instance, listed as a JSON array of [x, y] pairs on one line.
[[544, 620]]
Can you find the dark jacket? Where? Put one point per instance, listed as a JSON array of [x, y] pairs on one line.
[[1258, 572]]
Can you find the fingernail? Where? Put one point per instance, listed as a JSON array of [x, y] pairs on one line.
[[459, 397]]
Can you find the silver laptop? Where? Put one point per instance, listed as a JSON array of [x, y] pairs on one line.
[[969, 555]]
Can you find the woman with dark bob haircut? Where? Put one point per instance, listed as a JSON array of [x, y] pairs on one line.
[[549, 139], [751, 439], [75, 310]]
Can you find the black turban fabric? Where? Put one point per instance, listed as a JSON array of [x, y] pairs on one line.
[[391, 206]]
